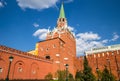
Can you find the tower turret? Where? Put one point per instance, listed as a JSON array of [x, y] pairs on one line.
[[61, 27], [62, 22]]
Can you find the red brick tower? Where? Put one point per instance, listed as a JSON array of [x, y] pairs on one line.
[[60, 45]]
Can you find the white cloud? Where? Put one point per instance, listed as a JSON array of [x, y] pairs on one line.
[[2, 3], [88, 36], [115, 37], [36, 25], [41, 33], [37, 4], [105, 41], [86, 41], [71, 28]]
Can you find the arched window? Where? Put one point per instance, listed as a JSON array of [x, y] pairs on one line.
[[117, 51], [34, 71], [94, 56], [63, 19], [103, 54], [20, 69], [47, 57], [1, 70], [60, 19], [112, 52]]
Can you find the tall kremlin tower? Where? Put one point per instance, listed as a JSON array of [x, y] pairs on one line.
[[59, 46]]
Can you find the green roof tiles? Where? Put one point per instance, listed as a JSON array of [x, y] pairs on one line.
[[62, 14]]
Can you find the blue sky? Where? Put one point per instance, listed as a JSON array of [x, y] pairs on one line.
[[95, 23]]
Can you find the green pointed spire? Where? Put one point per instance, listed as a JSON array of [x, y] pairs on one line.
[[62, 14]]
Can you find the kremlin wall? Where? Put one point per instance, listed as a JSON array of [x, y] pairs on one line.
[[52, 54], [108, 56], [24, 65]]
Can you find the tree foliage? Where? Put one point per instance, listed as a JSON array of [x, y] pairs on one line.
[[79, 76], [71, 77], [49, 76], [61, 75], [107, 76], [87, 72]]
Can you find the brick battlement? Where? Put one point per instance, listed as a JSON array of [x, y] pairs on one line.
[[22, 54]]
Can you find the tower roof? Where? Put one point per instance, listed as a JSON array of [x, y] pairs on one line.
[[62, 13]]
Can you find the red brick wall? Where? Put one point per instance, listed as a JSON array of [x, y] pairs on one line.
[[24, 65], [101, 60]]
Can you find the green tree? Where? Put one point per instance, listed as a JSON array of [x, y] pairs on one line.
[[107, 76], [88, 75], [61, 75], [49, 76], [99, 75], [71, 77], [79, 76]]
